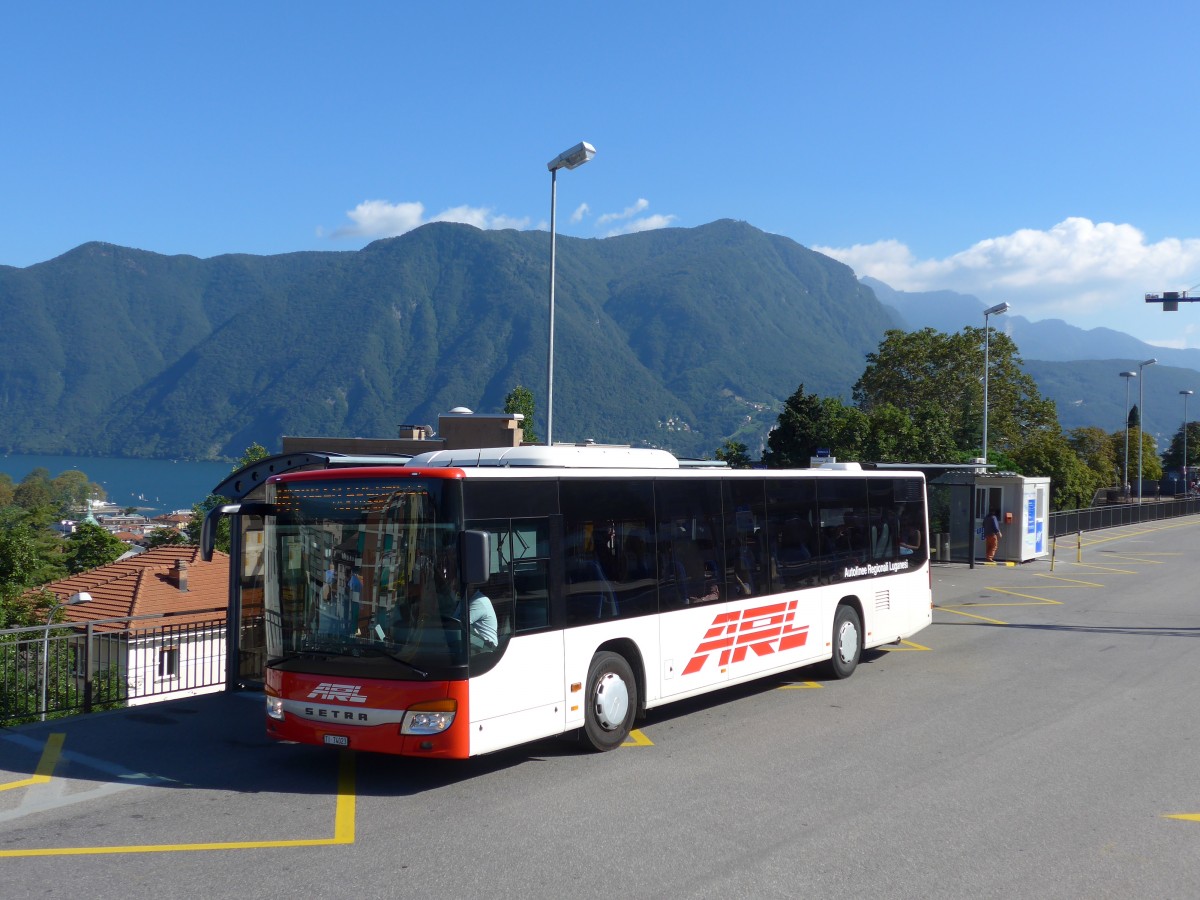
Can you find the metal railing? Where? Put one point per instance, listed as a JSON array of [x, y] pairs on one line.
[[65, 668], [1072, 520]]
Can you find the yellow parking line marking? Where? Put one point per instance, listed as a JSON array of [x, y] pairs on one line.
[[343, 830], [910, 645], [959, 612], [1114, 571], [1109, 538], [1094, 584], [637, 739], [799, 685], [1041, 601], [1187, 817], [1136, 559], [45, 766]]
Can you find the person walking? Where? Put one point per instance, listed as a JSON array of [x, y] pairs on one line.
[[991, 534]]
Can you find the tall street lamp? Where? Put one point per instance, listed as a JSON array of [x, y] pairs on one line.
[[568, 159], [1125, 477], [998, 310], [1142, 418], [81, 597], [1185, 395]]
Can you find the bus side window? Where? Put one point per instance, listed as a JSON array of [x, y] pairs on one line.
[[908, 499], [691, 543], [608, 548], [530, 569], [499, 586], [745, 538], [845, 525], [791, 533]]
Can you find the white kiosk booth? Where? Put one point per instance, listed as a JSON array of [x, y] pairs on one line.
[[1023, 504]]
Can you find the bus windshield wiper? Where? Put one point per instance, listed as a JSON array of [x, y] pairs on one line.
[[404, 662]]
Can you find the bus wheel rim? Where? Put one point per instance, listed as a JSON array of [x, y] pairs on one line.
[[611, 701], [847, 641]]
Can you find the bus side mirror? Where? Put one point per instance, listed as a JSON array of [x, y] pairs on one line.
[[208, 530], [476, 557]]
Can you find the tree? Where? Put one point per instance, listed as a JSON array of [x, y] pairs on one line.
[[844, 431], [1100, 452], [91, 546], [165, 537], [34, 490], [795, 439], [71, 490], [734, 454], [1152, 465], [19, 567], [520, 400], [1173, 458], [884, 434], [31, 553], [1152, 469], [1046, 452], [921, 371]]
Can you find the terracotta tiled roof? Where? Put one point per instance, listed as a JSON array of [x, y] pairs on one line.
[[146, 584]]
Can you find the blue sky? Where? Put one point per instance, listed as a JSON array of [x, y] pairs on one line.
[[1044, 154]]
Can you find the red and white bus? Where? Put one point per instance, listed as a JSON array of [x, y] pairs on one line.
[[472, 600]]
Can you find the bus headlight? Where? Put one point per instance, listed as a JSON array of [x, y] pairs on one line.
[[432, 717], [275, 707]]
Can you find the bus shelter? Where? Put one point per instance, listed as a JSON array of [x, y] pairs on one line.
[[960, 500]]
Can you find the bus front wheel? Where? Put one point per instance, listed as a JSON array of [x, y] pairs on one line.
[[611, 701], [847, 642]]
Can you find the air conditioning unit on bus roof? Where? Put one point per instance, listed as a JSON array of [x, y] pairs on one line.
[[558, 456]]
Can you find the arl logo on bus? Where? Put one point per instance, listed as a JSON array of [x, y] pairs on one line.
[[763, 629], [347, 693]]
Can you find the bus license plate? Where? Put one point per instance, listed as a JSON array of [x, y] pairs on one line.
[[338, 740]]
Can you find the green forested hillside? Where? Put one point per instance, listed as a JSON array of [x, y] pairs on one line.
[[679, 338]]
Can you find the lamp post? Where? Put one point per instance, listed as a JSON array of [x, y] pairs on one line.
[[1142, 418], [81, 597], [1125, 477], [998, 310], [568, 159], [1185, 395]]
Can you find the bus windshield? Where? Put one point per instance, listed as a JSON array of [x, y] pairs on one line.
[[368, 569]]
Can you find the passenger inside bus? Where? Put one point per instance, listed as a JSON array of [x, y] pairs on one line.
[[482, 616], [910, 536]]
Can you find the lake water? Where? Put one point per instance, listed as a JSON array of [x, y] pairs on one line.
[[154, 485]]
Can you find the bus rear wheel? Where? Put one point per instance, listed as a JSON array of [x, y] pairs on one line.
[[847, 642], [611, 701]]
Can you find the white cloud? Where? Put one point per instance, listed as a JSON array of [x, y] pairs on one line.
[[630, 224], [627, 213], [1088, 273], [378, 218], [646, 223]]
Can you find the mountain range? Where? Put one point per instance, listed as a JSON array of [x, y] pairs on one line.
[[677, 338]]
